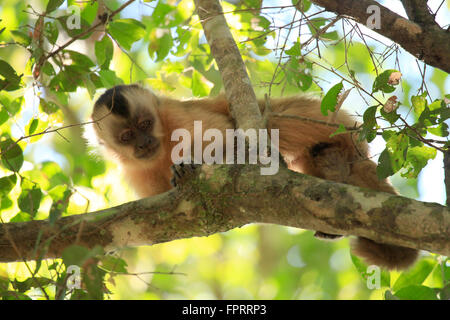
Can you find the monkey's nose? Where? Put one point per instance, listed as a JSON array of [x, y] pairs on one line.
[[144, 143]]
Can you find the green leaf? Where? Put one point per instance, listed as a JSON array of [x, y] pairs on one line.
[[76, 255], [369, 123], [51, 32], [333, 35], [416, 292], [109, 78], [80, 59], [315, 24], [30, 200], [296, 74], [5, 203], [391, 117], [161, 12], [53, 5], [416, 159], [113, 264], [126, 31], [68, 79], [54, 174], [437, 104], [164, 45], [48, 69], [416, 275], [302, 5], [330, 100], [382, 82], [389, 296], [339, 130], [3, 115], [10, 81], [60, 196], [253, 3], [441, 130], [104, 50], [73, 30], [419, 103], [397, 146], [11, 155], [21, 37], [7, 184], [35, 282], [384, 167], [21, 217], [295, 50], [33, 125], [362, 268], [199, 88], [48, 107]]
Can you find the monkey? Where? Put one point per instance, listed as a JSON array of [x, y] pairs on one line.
[[134, 125]]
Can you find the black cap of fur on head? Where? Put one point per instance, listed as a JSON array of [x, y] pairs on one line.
[[115, 101]]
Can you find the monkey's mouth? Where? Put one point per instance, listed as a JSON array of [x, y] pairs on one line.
[[148, 151]]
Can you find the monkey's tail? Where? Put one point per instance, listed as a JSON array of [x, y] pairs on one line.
[[384, 255]]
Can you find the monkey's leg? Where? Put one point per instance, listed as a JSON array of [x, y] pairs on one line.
[[333, 163]]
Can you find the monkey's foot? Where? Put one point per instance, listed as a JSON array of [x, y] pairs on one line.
[[182, 173], [327, 236]]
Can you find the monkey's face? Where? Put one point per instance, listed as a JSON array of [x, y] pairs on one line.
[[127, 123]]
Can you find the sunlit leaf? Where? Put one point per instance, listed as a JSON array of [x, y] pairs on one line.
[[416, 292], [419, 103], [414, 276], [6, 184], [30, 200], [381, 82], [60, 196], [199, 88], [51, 32], [417, 159], [11, 155], [126, 31], [329, 101], [10, 79], [109, 78], [21, 37], [52, 5], [104, 50]]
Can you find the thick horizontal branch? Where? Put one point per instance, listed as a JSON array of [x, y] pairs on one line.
[[425, 41], [224, 197]]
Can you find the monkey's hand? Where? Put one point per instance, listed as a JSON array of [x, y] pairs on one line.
[[182, 173]]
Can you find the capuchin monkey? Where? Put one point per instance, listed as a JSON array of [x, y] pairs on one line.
[[135, 126]]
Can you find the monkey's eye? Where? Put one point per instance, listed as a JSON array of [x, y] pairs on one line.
[[126, 136], [144, 124]]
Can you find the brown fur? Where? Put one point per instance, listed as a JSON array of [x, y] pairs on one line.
[[306, 147]]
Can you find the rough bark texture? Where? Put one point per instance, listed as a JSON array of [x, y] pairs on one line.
[[238, 88], [420, 36], [224, 197], [447, 176]]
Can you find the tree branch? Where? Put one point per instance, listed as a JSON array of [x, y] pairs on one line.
[[447, 176], [424, 40], [238, 88], [224, 197], [418, 12]]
